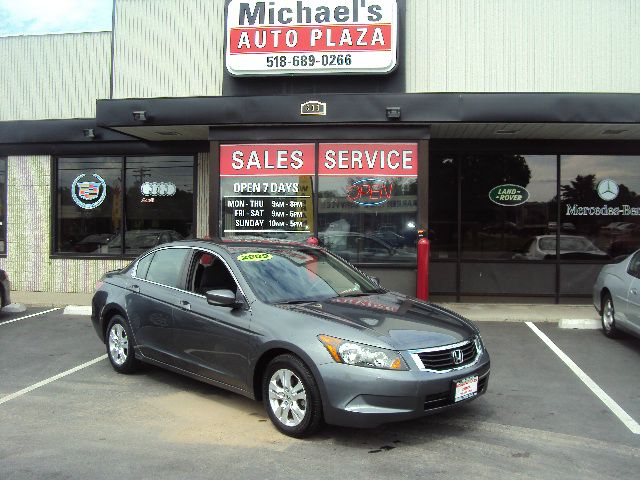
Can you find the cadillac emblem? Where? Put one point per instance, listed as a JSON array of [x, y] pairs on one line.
[[88, 194]]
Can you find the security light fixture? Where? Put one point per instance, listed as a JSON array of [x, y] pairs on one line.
[[140, 116], [394, 113], [89, 133]]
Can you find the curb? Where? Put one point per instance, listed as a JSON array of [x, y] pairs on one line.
[[579, 324], [77, 310], [14, 308]]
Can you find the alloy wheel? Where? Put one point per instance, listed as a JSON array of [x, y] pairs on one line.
[[608, 315], [118, 344], [287, 397]]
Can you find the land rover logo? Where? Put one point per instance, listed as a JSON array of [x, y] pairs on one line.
[[458, 357], [509, 195], [313, 108]]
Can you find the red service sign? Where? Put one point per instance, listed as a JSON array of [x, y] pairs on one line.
[[267, 160], [369, 159], [282, 37]]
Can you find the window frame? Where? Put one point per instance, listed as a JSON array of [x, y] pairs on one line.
[[122, 255]]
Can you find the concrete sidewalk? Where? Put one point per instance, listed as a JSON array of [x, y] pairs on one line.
[[479, 312]]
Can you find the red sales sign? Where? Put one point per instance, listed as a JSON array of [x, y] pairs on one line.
[[369, 159], [283, 37], [267, 160]]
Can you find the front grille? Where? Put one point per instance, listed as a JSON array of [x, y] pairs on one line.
[[443, 359]]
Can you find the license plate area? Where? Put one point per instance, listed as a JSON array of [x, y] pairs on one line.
[[465, 388]]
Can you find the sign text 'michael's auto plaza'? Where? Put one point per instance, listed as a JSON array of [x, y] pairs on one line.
[[311, 37]]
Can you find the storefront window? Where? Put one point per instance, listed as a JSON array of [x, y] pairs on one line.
[[90, 218], [267, 190], [3, 205], [508, 206], [89, 206], [159, 201], [600, 210], [443, 206], [367, 201]]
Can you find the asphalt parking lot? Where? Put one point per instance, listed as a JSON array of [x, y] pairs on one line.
[[538, 419]]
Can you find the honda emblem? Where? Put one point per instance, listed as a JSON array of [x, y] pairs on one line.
[[458, 357]]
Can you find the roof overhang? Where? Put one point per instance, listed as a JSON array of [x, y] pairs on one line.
[[543, 116]]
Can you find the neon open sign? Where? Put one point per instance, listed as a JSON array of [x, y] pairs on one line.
[[370, 192]]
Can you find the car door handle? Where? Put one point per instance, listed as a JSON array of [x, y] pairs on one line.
[[184, 304], [135, 288], [634, 291]]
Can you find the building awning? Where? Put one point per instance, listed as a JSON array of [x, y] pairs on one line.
[[559, 116]]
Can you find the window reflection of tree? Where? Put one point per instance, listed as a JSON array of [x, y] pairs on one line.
[[488, 228]]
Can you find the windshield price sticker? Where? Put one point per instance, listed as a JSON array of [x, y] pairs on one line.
[[309, 37], [254, 257]]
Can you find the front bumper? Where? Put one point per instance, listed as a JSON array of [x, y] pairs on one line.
[[365, 397]]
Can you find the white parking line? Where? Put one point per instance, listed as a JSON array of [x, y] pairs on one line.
[[28, 316], [24, 391], [617, 410]]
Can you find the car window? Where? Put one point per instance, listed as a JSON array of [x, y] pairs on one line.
[[208, 272], [634, 266], [143, 266], [166, 266]]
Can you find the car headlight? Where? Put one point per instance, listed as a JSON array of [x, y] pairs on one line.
[[352, 353]]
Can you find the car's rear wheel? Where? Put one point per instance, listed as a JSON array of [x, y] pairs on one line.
[[120, 346], [608, 317], [291, 396]]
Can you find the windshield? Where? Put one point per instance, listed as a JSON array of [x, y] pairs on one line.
[[279, 275]]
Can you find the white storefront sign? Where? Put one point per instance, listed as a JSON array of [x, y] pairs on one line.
[[311, 37]]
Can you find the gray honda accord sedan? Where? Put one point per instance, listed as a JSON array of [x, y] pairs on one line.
[[292, 325]]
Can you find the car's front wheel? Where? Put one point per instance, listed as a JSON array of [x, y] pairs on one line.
[[291, 396], [120, 346], [608, 317]]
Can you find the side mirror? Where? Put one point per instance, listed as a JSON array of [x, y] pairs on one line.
[[375, 280], [221, 298]]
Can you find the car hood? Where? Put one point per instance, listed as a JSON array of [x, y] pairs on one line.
[[393, 319]]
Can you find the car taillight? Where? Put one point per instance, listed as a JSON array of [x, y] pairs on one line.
[[99, 284]]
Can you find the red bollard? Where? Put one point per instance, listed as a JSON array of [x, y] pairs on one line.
[[422, 288]]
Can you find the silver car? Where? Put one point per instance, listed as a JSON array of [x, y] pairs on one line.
[[616, 296]]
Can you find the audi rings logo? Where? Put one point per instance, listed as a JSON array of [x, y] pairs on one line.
[[158, 189], [88, 194]]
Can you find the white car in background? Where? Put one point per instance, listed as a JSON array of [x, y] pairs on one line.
[[543, 247], [616, 296]]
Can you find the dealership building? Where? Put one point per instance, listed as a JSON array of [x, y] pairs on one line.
[[507, 131]]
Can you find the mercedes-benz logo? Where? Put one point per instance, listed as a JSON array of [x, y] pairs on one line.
[[608, 189]]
